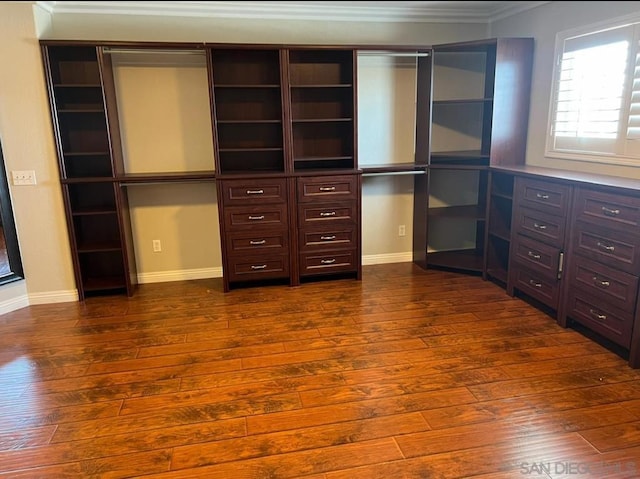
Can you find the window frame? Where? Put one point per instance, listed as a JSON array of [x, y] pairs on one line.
[[559, 49]]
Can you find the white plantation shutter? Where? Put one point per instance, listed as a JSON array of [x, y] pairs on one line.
[[633, 127], [590, 91], [596, 104]]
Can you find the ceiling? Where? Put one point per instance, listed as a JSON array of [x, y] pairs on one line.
[[376, 11]]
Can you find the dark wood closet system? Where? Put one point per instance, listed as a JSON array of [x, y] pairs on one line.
[[284, 121]]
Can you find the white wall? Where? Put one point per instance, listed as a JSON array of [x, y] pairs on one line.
[[543, 23]]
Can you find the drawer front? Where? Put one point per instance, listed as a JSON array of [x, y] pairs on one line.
[[602, 318], [327, 187], [607, 209], [604, 283], [537, 256], [242, 218], [322, 213], [324, 263], [613, 248], [541, 226], [256, 191], [537, 286], [328, 238], [544, 196], [249, 268], [273, 242]]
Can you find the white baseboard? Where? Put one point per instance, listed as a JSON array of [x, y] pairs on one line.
[[405, 257], [54, 297], [165, 276], [179, 275], [12, 304]]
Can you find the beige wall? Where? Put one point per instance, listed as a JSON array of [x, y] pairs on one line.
[[163, 105], [27, 141], [543, 23]]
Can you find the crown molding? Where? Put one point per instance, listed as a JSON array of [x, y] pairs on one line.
[[376, 11]]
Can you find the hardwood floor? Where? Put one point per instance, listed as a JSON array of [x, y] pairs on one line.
[[406, 374]]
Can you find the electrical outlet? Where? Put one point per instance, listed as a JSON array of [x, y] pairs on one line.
[[23, 177], [157, 246], [402, 230]]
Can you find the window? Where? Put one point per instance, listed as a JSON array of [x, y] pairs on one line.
[[595, 110]]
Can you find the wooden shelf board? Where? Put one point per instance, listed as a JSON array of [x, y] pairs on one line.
[[469, 260], [132, 178], [393, 167]]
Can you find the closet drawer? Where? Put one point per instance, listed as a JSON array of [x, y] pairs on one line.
[[537, 256], [331, 262], [249, 268], [325, 212], [604, 283], [537, 285], [327, 188], [273, 242], [542, 195], [607, 209], [613, 248], [242, 218], [544, 227], [254, 191], [602, 318], [328, 238]]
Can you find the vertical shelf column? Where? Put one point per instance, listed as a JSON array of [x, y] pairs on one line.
[[87, 140]]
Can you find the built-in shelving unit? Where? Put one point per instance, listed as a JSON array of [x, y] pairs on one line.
[[477, 88], [87, 167], [247, 100], [322, 109], [498, 241]]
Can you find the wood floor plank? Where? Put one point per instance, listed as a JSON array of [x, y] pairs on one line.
[[121, 444], [260, 445], [408, 373]]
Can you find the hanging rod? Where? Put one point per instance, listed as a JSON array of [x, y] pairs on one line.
[[147, 51], [396, 173], [378, 53]]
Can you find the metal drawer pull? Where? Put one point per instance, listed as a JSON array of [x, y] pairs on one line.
[[328, 238], [258, 266], [538, 226], [257, 243], [610, 212], [327, 213], [328, 261], [597, 315], [535, 284], [605, 247], [541, 196], [327, 188], [255, 192], [560, 265], [599, 282], [256, 218], [533, 255]]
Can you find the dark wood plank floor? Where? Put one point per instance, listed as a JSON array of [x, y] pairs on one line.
[[406, 374]]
